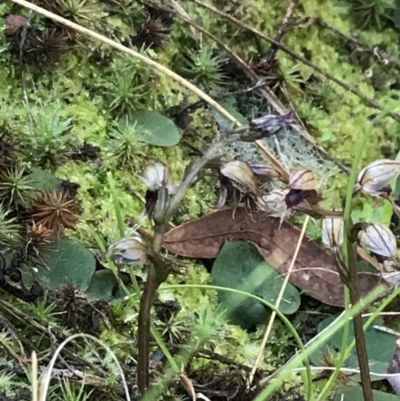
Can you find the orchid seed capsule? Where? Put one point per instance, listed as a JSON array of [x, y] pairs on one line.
[[332, 232]]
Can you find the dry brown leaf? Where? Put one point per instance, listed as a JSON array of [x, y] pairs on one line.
[[314, 271]]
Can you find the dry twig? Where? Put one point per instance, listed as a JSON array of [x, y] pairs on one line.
[[282, 30], [379, 54], [278, 302]]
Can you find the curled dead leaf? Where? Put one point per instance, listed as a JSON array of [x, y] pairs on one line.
[[314, 271]]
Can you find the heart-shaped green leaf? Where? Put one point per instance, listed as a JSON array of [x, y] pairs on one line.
[[43, 180], [240, 266], [68, 261], [103, 285], [380, 348], [355, 393], [156, 129], [229, 104]]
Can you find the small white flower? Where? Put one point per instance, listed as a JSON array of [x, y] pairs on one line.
[[128, 250], [379, 239], [241, 174], [375, 178], [156, 176]]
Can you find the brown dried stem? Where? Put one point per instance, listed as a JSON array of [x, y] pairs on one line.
[[282, 30], [156, 274], [379, 54], [358, 324]]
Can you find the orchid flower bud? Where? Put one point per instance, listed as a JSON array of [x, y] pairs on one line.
[[157, 176], [332, 232], [332, 238], [241, 175], [273, 123], [379, 239], [374, 179], [304, 180], [128, 250]]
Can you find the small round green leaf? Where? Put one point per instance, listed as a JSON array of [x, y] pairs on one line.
[[240, 266], [68, 261], [43, 180], [355, 393], [229, 104], [156, 128], [103, 285], [380, 348]]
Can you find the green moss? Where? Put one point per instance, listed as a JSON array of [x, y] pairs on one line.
[[93, 86]]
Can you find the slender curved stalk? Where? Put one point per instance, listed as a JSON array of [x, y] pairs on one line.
[[374, 315], [47, 374], [147, 298], [277, 304]]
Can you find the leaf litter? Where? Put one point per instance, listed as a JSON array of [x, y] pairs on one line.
[[314, 272]]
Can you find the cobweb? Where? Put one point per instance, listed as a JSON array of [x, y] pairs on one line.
[[293, 152]]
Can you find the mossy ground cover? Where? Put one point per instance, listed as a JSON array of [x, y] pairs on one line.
[[67, 135]]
